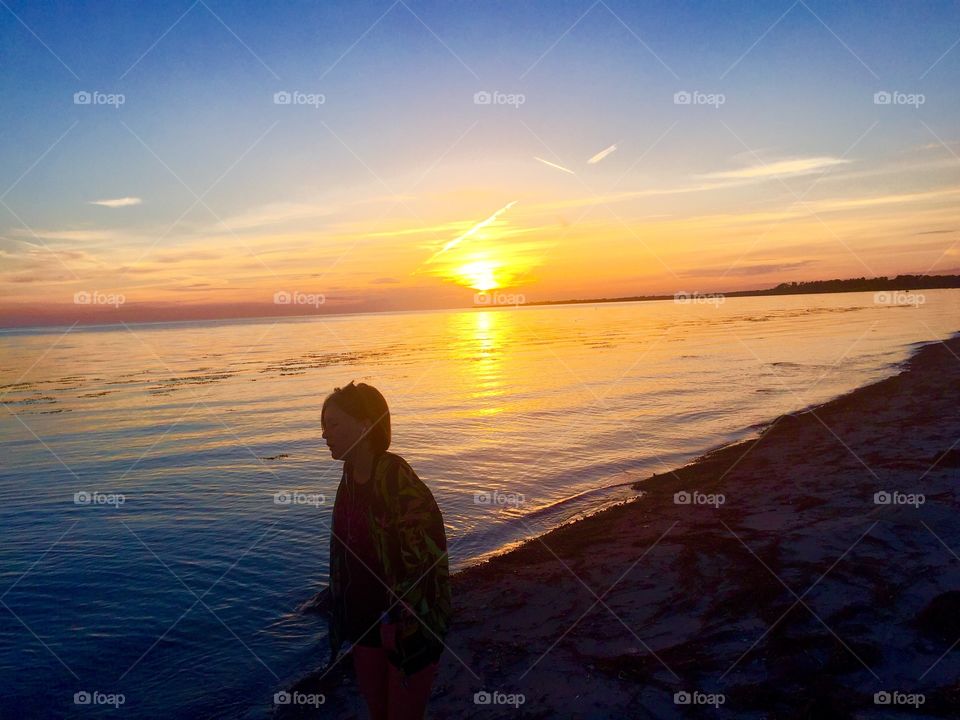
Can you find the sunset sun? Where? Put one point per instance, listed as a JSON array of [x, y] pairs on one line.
[[479, 275]]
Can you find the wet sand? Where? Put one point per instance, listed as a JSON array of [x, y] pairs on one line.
[[801, 595]]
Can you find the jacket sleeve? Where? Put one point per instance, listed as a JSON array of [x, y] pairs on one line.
[[415, 554]]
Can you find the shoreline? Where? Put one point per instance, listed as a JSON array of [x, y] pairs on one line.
[[746, 436], [713, 456], [796, 596]]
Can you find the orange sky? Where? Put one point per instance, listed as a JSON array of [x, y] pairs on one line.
[[435, 247]]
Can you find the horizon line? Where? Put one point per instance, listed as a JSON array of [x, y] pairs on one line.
[[761, 292]]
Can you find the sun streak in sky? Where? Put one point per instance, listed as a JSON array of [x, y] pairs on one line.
[[486, 256]]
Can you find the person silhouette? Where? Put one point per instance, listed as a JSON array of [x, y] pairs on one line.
[[389, 592]]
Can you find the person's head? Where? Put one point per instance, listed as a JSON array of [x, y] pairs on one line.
[[355, 419]]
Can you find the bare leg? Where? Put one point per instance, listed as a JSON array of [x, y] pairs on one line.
[[370, 665], [408, 696]]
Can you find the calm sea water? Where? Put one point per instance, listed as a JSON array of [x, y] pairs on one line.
[[182, 597]]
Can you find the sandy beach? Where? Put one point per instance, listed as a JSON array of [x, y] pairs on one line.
[[767, 579]]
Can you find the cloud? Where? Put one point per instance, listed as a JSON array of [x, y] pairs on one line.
[[795, 166], [907, 197], [178, 256], [601, 155], [69, 235], [117, 202], [554, 165], [747, 270], [936, 145], [272, 215], [479, 226], [627, 195]]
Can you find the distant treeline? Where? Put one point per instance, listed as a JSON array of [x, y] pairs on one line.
[[861, 284]]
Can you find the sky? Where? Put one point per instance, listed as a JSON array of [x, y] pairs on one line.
[[184, 160]]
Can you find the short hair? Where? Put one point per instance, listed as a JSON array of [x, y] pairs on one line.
[[363, 402]]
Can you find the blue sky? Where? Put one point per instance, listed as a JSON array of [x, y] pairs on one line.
[[399, 143]]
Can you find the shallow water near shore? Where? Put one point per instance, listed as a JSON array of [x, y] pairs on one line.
[[183, 596]]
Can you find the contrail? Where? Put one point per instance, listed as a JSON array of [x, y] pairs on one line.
[[460, 238], [601, 155], [554, 165]]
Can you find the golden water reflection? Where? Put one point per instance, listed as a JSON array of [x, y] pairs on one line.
[[481, 340]]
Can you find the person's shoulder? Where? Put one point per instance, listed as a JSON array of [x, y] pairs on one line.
[[392, 464], [398, 478]]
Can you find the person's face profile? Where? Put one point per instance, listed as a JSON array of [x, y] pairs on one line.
[[343, 433]]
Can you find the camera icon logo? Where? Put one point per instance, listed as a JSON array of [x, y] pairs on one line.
[[882, 98], [281, 698], [82, 98], [482, 97], [282, 97], [281, 297], [81, 698], [682, 498], [682, 98]]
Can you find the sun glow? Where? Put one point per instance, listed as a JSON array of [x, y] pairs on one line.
[[479, 275]]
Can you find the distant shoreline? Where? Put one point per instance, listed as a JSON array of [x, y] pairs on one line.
[[901, 283]]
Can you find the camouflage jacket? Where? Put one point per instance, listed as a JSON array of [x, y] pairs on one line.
[[410, 543]]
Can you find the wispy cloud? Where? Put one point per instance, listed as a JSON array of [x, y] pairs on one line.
[[69, 235], [117, 202], [748, 270], [554, 165], [479, 226], [601, 155], [892, 199], [779, 168], [272, 216]]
